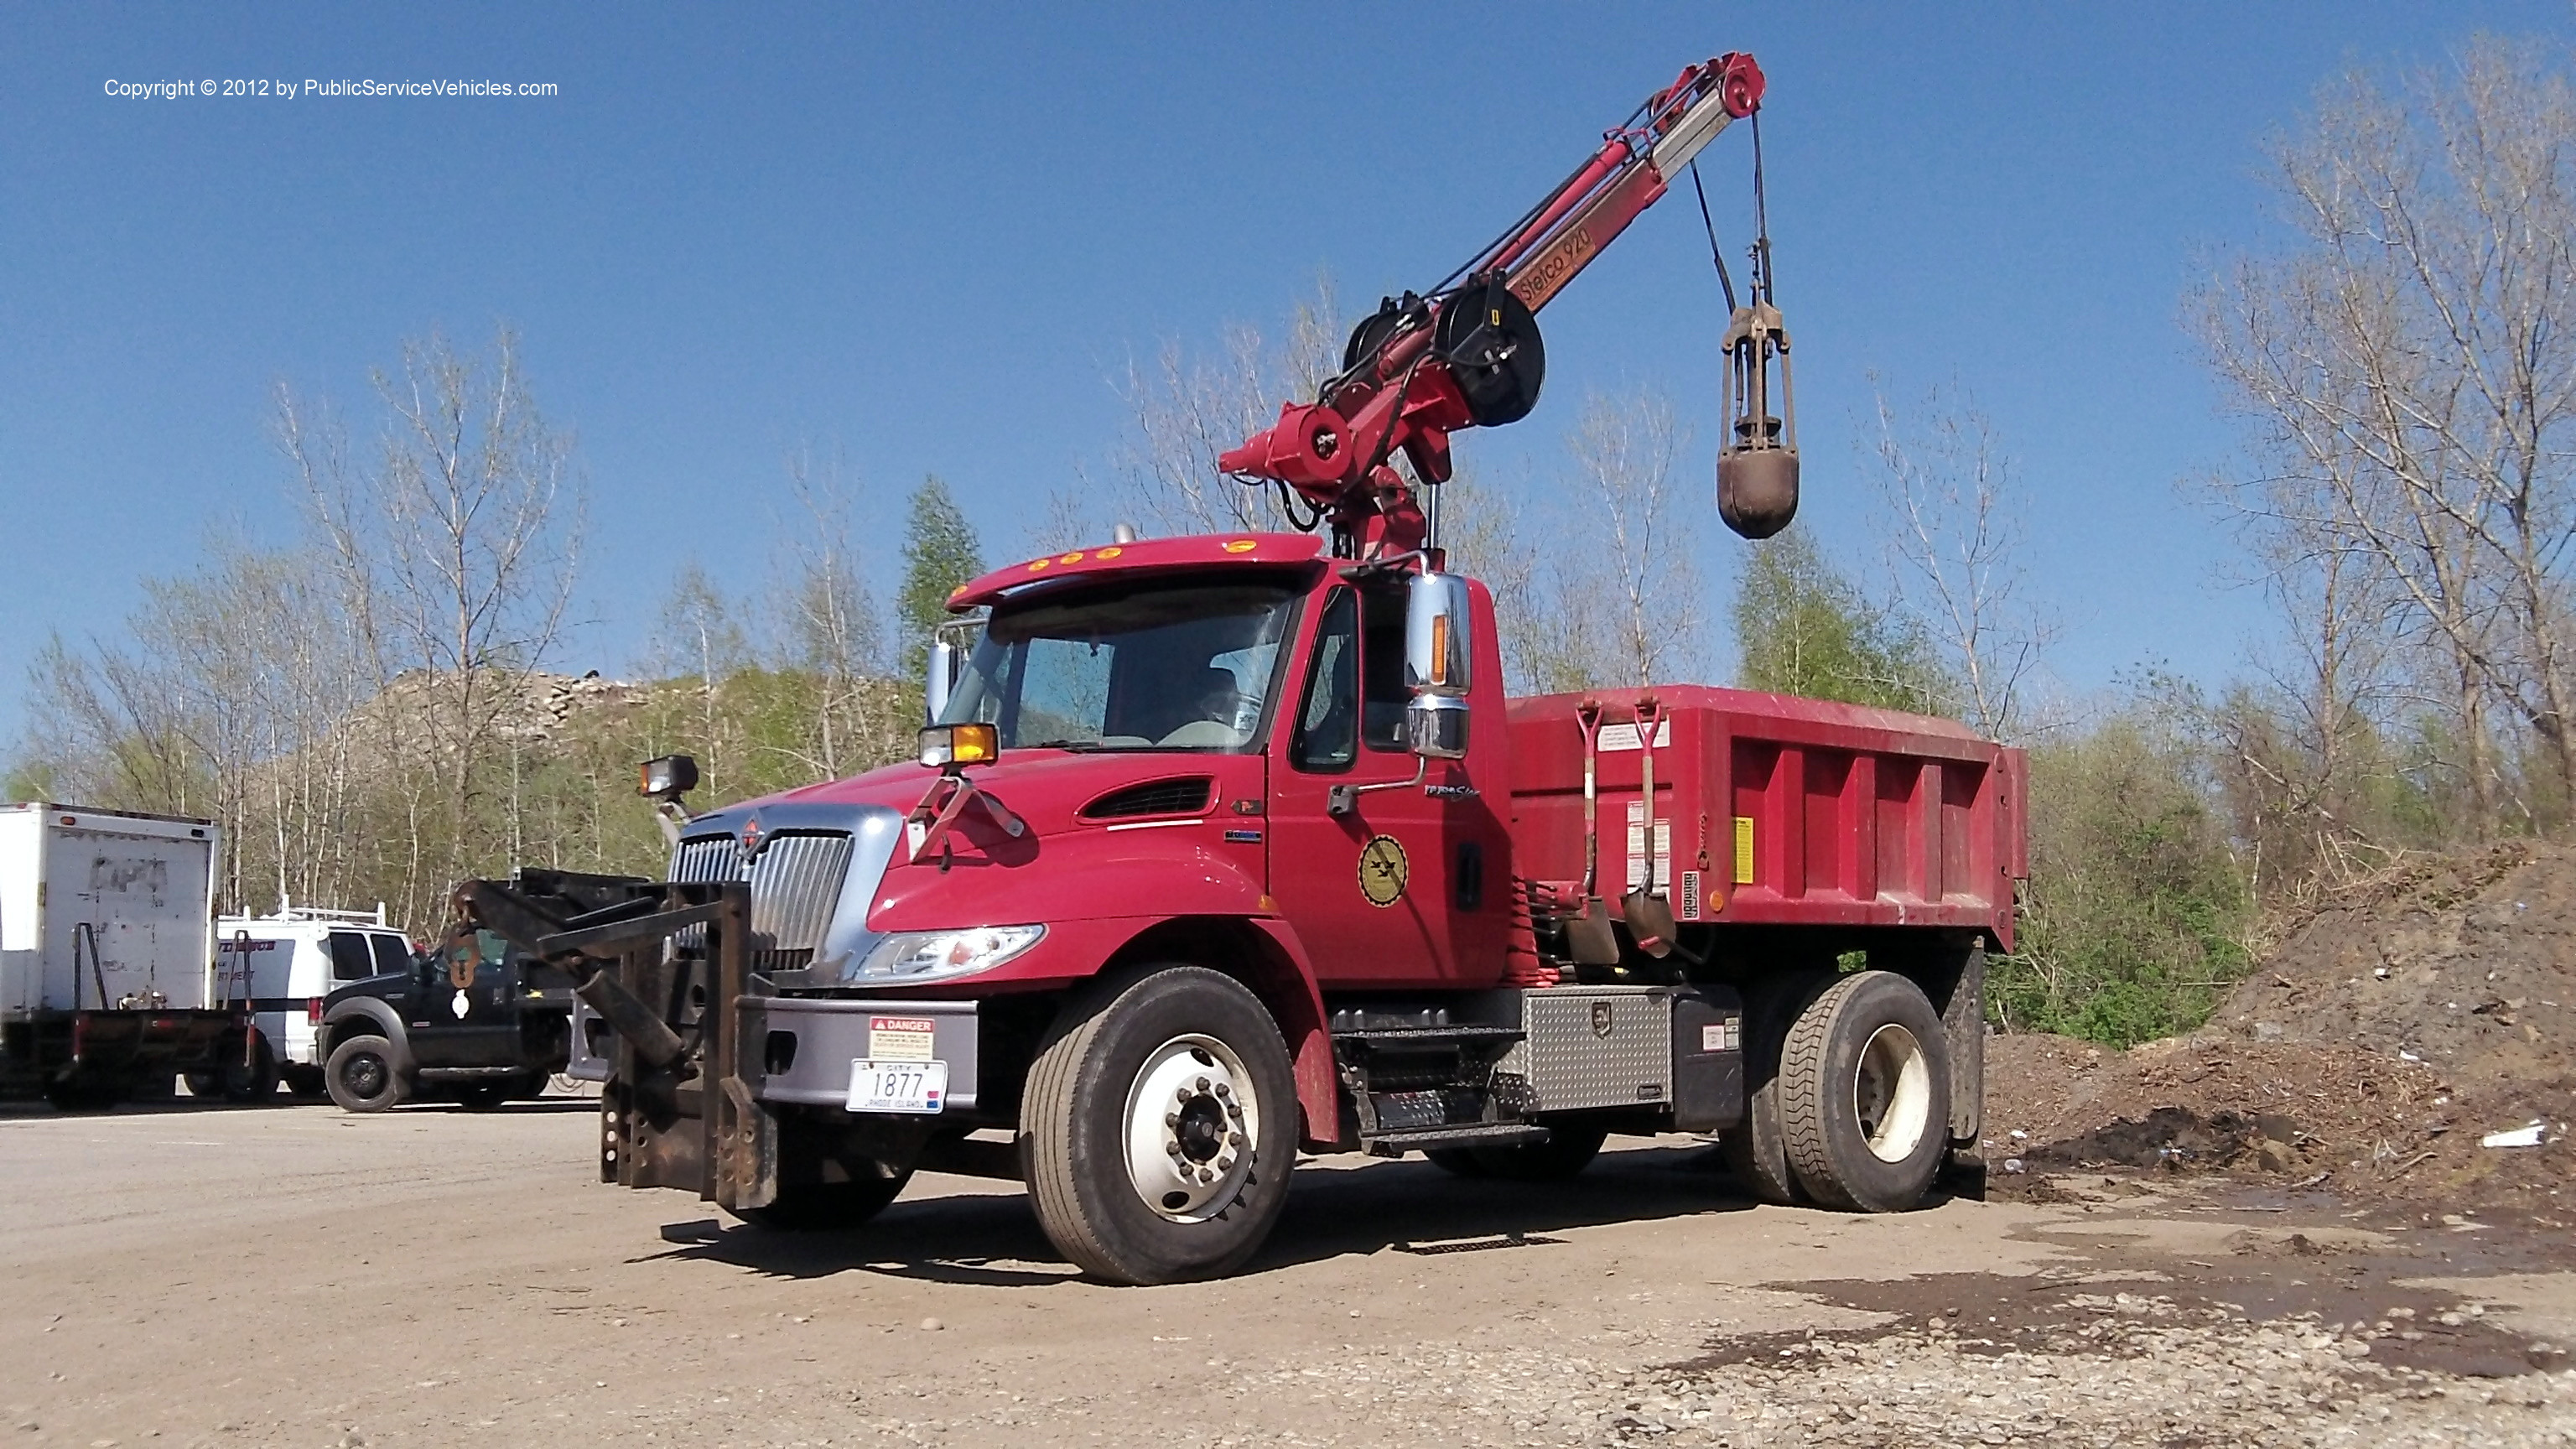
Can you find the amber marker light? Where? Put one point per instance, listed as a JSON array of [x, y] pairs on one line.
[[960, 744]]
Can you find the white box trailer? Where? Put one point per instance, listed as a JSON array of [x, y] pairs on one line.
[[106, 952]]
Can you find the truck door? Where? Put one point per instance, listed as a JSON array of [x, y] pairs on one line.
[[1405, 888], [484, 1016]]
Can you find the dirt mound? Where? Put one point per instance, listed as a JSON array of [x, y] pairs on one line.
[[2197, 1105], [2467, 964], [2391, 1030]]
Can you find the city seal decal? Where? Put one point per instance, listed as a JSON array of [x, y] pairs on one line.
[[1382, 870]]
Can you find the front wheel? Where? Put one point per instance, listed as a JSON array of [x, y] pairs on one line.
[[1159, 1125], [362, 1076]]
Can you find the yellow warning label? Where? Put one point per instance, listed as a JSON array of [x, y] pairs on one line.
[[1744, 850]]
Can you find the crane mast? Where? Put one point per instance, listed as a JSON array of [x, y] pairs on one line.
[[1468, 353]]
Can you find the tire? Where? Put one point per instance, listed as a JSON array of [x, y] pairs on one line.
[[1753, 1148], [362, 1077], [306, 1084], [82, 1094], [811, 1207], [1457, 1161], [243, 1085], [1865, 1094], [1159, 1125], [1569, 1149]]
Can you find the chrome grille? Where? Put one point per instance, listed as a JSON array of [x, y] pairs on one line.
[[709, 858], [794, 886], [795, 883]]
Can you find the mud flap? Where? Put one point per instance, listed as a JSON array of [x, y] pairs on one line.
[[1963, 1020]]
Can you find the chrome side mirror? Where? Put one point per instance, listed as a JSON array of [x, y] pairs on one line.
[[941, 677], [1438, 648], [1435, 727], [952, 645]]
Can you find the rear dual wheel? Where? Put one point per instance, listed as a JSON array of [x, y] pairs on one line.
[[233, 1079], [1754, 1150], [82, 1094], [1856, 1112], [1159, 1125]]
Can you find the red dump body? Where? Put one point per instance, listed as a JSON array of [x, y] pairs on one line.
[[1776, 810]]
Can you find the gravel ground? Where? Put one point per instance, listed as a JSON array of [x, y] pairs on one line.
[[291, 1276], [2142, 1371]]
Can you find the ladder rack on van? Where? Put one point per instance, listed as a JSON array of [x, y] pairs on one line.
[[288, 910]]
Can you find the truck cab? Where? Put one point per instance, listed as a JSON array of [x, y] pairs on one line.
[[478, 1022]]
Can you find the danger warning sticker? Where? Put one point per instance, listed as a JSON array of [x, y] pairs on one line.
[[901, 1038]]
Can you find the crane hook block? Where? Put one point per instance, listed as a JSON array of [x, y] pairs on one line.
[[1757, 464]]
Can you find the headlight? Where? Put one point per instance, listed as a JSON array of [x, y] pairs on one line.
[[937, 955]]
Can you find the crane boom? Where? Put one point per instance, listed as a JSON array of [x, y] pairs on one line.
[[1468, 354]]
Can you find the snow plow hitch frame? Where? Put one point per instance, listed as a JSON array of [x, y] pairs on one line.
[[676, 1111]]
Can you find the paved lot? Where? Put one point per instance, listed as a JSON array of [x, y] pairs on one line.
[[294, 1276]]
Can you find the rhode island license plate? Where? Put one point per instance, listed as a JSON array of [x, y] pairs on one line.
[[881, 1086]]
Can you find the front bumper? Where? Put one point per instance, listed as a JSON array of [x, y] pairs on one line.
[[799, 1048]]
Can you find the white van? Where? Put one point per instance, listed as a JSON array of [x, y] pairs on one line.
[[286, 964]]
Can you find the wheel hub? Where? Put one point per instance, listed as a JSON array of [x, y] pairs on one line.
[[1192, 1118], [1892, 1094], [365, 1076]]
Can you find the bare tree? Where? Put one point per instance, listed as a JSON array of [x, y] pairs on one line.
[[1187, 408], [833, 629], [223, 699], [454, 548], [2410, 372], [1632, 531], [1955, 541]]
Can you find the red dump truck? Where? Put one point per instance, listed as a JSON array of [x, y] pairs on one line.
[[1222, 849]]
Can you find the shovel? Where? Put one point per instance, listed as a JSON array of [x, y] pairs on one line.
[[1588, 935], [1649, 914]]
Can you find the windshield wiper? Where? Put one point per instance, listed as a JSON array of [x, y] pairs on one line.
[[1078, 746]]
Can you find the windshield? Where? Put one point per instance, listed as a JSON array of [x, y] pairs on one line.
[[1172, 666]]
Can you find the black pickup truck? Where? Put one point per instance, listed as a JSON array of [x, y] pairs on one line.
[[478, 1023]]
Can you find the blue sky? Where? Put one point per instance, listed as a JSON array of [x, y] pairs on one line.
[[927, 235]]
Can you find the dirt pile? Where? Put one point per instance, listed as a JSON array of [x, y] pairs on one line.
[[2380, 1042], [2467, 964], [2196, 1104]]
